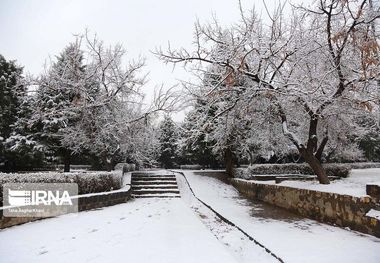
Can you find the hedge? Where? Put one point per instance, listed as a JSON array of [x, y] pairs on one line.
[[88, 182], [332, 169], [191, 167]]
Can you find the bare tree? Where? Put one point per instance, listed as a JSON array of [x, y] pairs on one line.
[[90, 101], [318, 68]]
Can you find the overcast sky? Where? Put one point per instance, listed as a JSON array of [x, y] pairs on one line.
[[33, 30]]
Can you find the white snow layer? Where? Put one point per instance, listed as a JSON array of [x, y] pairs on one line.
[[243, 249], [144, 230], [373, 213], [354, 184], [183, 230], [292, 238]]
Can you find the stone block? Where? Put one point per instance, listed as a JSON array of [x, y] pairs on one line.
[[373, 190]]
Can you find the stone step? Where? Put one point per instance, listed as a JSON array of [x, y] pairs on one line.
[[148, 185], [155, 191], [136, 181], [153, 178], [173, 186], [152, 175], [156, 196], [154, 183]]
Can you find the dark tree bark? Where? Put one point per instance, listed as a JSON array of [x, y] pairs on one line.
[[315, 164], [311, 153], [250, 157], [229, 162], [66, 161], [109, 164], [319, 152]]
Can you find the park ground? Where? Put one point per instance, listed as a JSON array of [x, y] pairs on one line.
[[184, 230]]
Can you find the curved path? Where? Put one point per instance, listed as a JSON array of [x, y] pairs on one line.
[[292, 238]]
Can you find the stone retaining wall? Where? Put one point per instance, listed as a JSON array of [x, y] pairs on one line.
[[342, 210], [85, 202], [374, 191]]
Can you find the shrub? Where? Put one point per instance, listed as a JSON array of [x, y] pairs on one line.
[[191, 167], [98, 182], [337, 169], [364, 165], [84, 167], [332, 169]]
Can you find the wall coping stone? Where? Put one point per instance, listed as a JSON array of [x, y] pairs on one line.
[[333, 208]]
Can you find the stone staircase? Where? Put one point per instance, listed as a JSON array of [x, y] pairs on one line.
[[148, 185]]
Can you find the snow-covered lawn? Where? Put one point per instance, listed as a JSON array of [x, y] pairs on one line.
[[354, 184], [183, 230], [144, 230], [292, 238]]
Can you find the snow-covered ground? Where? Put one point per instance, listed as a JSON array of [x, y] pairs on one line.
[[373, 213], [184, 230], [354, 184], [292, 238], [239, 245], [143, 230]]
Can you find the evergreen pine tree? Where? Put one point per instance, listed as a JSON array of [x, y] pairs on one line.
[[196, 143], [12, 94], [59, 96], [168, 138]]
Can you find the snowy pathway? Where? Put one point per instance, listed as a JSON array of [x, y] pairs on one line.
[[143, 230], [292, 238], [183, 230]]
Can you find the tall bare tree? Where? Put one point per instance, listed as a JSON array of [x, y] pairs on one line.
[[318, 67]]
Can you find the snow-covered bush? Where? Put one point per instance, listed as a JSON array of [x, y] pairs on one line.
[[191, 167], [337, 169], [364, 165], [332, 169], [98, 182], [73, 167], [88, 182]]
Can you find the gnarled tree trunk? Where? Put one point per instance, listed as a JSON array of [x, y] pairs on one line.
[[315, 164], [311, 152]]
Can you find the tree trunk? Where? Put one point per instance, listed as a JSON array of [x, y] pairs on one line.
[[109, 164], [66, 161], [316, 165], [228, 159], [250, 157], [308, 152]]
